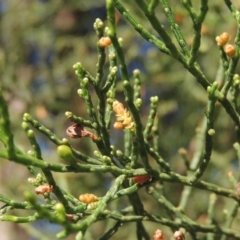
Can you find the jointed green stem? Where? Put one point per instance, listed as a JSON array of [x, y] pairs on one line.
[[128, 91], [5, 126]]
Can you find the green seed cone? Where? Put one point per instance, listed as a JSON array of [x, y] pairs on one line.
[[65, 153]]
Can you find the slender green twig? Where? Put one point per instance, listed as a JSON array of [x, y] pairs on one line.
[[15, 219], [134, 153], [79, 120], [128, 91], [153, 4], [139, 28], [111, 231], [209, 133], [98, 123], [175, 28], [137, 85], [230, 74], [200, 139], [237, 147], [230, 217], [235, 91], [128, 143], [155, 131], [5, 126], [167, 204], [111, 79], [224, 59], [48, 174], [160, 30], [192, 13], [99, 28], [110, 86], [158, 158], [211, 205], [197, 25], [232, 8], [151, 117]]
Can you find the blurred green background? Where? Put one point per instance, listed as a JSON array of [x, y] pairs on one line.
[[40, 40]]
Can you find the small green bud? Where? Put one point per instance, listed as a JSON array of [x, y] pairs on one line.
[[68, 114], [236, 77], [113, 70], [39, 176], [151, 149], [77, 65], [61, 213], [120, 40], [119, 153], [92, 205], [215, 85], [112, 147], [125, 83], [211, 132], [112, 56], [30, 133], [80, 93], [97, 153], [94, 124], [77, 72], [138, 102], [65, 152], [107, 160], [136, 73], [166, 10], [26, 117], [25, 125], [31, 180], [236, 145], [110, 100], [59, 208], [39, 179], [85, 81], [110, 94], [107, 30], [209, 89], [236, 82], [154, 99], [29, 196], [98, 24], [65, 141], [31, 153]]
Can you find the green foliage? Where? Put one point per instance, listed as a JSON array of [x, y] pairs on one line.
[[181, 146]]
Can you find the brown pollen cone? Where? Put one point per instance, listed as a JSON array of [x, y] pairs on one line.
[[78, 131]]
